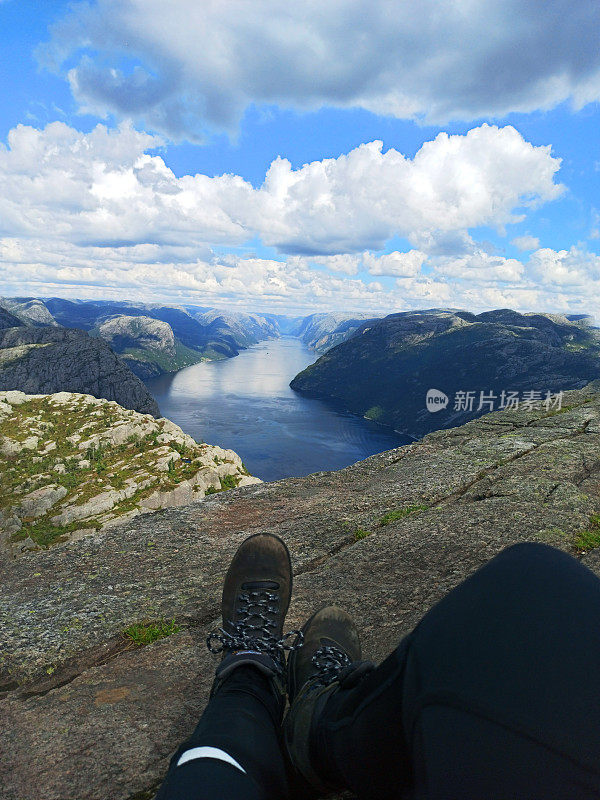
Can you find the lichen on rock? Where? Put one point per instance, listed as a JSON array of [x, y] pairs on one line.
[[73, 463]]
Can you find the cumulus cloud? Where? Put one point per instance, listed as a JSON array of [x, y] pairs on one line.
[[103, 188], [575, 268], [480, 266], [94, 214], [526, 242], [195, 65], [70, 270], [401, 264], [388, 264], [179, 275]]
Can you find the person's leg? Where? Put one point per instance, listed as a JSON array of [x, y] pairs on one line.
[[235, 752], [492, 695]]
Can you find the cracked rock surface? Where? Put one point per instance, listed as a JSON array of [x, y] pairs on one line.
[[86, 715]]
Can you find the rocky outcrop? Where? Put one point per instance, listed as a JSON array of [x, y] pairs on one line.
[[72, 465], [87, 715], [38, 360], [122, 332], [475, 363], [148, 346], [321, 332]]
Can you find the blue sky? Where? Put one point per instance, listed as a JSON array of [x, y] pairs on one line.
[[482, 194]]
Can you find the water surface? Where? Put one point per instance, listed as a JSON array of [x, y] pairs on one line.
[[245, 403]]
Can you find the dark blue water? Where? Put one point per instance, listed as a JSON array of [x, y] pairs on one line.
[[245, 403]]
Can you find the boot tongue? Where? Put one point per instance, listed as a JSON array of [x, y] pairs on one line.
[[253, 585]]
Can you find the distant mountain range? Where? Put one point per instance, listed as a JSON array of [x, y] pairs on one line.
[[379, 368], [386, 368], [320, 332], [153, 338]]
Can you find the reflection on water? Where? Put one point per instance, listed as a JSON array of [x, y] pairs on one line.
[[245, 403]]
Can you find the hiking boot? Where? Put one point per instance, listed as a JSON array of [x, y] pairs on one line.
[[329, 659], [256, 596]]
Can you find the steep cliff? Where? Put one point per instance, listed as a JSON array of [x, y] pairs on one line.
[[89, 715], [474, 362], [30, 310], [243, 329], [38, 360]]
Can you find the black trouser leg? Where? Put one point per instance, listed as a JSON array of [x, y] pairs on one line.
[[243, 720], [494, 695]]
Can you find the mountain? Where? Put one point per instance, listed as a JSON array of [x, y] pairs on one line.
[[86, 314], [386, 368], [87, 714], [46, 360], [30, 310], [285, 324], [200, 333], [9, 320], [73, 464], [242, 329], [148, 346], [320, 332]]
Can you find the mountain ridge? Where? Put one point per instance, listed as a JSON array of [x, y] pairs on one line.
[[44, 360], [385, 369]]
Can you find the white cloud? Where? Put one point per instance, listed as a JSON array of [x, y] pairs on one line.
[[95, 215], [102, 188], [388, 264], [575, 268], [69, 270], [401, 264], [361, 199], [347, 263], [479, 266], [526, 242], [176, 275], [199, 65]]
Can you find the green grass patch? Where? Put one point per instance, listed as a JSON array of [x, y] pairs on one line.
[[184, 357], [400, 513], [45, 534], [229, 481], [109, 467], [361, 533], [589, 538], [375, 413], [141, 633]]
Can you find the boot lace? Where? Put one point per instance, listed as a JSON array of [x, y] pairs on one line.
[[330, 661], [254, 628]]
